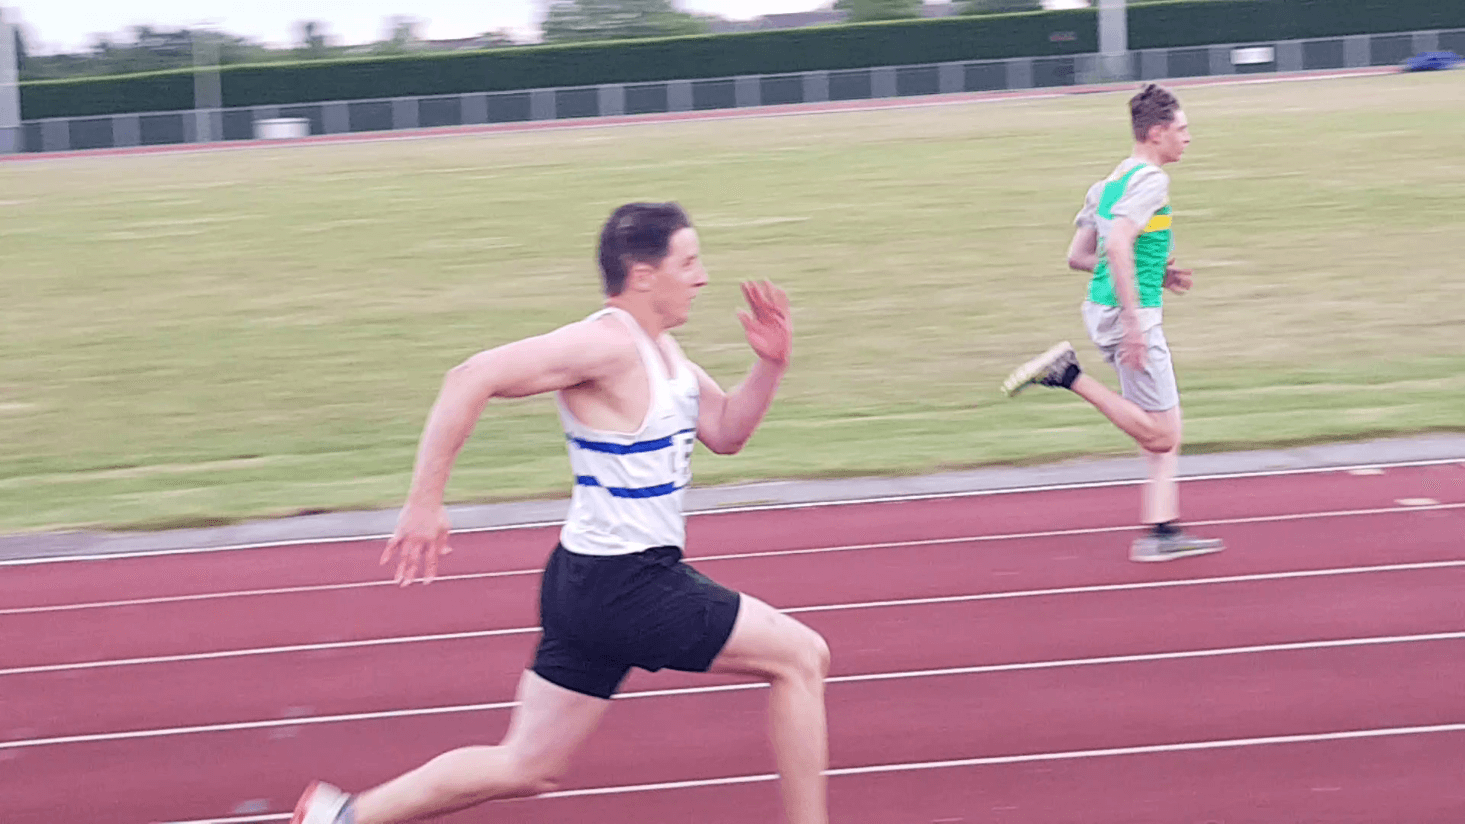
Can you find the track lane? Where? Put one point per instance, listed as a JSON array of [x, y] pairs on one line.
[[308, 563], [918, 719], [667, 738], [886, 639], [786, 581]]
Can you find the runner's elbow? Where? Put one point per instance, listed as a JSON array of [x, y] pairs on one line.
[[475, 377], [721, 442], [464, 373], [725, 446]]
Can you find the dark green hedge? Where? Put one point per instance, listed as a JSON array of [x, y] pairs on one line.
[[158, 91], [771, 52], [830, 47], [1151, 25], [1201, 22]]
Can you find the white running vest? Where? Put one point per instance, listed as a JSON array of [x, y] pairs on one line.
[[629, 486]]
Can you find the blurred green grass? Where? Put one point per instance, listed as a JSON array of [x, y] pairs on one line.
[[196, 338]]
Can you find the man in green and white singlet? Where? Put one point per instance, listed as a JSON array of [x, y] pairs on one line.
[[1124, 237]]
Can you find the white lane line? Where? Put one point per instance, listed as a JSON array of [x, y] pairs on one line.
[[983, 669], [280, 650], [998, 760], [927, 496], [780, 553], [985, 761], [901, 602], [1134, 586], [237, 819], [249, 593]]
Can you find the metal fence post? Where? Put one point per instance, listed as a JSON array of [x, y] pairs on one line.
[[1113, 40], [1356, 51], [126, 130], [883, 82], [475, 108], [612, 100], [748, 91], [679, 96], [55, 135], [1220, 59], [1289, 56], [1424, 41], [542, 104], [208, 95], [1088, 68], [951, 78], [1154, 64], [404, 112], [816, 87], [1019, 72], [335, 117], [12, 135]]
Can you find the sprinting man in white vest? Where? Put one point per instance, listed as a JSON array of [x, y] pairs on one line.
[[1124, 238], [615, 593]]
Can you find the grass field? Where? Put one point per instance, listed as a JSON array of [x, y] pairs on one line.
[[194, 338]]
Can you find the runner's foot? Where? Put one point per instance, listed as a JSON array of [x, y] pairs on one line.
[[1056, 367]]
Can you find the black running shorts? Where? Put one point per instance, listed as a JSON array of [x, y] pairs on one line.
[[602, 615]]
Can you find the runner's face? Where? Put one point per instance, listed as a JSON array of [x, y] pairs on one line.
[[1173, 137], [679, 277]]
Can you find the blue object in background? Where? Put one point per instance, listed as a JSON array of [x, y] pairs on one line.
[[1432, 61]]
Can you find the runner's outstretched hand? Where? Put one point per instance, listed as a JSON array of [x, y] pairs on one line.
[[769, 326], [421, 537]]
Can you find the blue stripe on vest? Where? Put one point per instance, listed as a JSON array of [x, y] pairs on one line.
[[628, 492], [626, 448]]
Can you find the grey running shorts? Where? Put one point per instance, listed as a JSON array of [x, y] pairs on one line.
[[1152, 388]]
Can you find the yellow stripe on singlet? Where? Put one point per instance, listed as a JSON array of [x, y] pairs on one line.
[[1158, 223]]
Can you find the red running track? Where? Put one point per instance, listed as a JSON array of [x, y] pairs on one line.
[[996, 658]]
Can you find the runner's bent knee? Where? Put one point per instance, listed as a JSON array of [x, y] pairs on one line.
[[533, 774], [821, 656], [1164, 433], [1160, 443], [770, 645], [806, 655]]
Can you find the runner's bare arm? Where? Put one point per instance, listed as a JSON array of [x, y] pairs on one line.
[[1083, 251], [726, 420], [566, 357], [1119, 249]]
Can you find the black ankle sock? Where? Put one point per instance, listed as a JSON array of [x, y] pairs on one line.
[[1070, 375], [1165, 529]]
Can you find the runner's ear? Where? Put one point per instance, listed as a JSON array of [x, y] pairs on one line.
[[640, 276]]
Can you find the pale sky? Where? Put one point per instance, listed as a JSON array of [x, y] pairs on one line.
[[68, 25]]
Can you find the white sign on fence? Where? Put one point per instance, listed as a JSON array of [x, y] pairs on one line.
[[1253, 56], [281, 128]]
